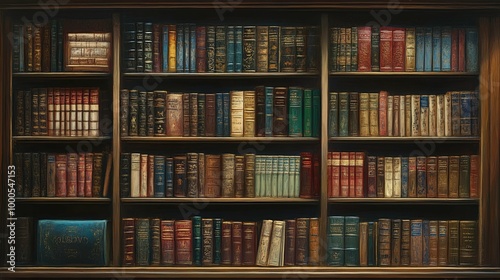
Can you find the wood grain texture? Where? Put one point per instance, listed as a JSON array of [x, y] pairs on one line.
[[116, 252]]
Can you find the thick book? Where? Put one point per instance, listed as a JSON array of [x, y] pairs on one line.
[[264, 243], [398, 48], [421, 176], [24, 245], [249, 113], [453, 176], [262, 49], [384, 242], [236, 243], [183, 242], [468, 254], [410, 62], [290, 233], [249, 243], [428, 49], [301, 49], [335, 241], [143, 242], [167, 242], [364, 114], [396, 242], [160, 113], [314, 242], [237, 113], [226, 243], [446, 42], [280, 111], [128, 241], [351, 237]]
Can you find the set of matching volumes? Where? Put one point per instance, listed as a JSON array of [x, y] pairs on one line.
[[227, 175], [399, 49], [214, 241], [455, 113], [401, 242], [62, 175], [191, 48], [265, 111], [352, 174], [37, 48], [57, 112]]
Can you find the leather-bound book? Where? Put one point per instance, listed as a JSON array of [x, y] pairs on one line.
[[142, 242], [461, 50], [288, 49], [260, 111], [51, 174], [201, 49], [133, 112], [142, 113], [226, 246], [280, 109], [37, 48], [432, 176], [19, 163], [197, 240], [230, 48], [212, 176], [159, 176], [313, 43], [249, 113], [380, 176], [249, 247], [150, 114], [410, 49], [389, 177], [220, 48], [264, 242], [343, 118], [382, 113], [384, 242], [371, 187], [351, 241], [442, 176], [274, 48], [314, 242], [28, 47], [454, 50], [207, 253], [464, 177], [167, 242], [169, 177], [89, 174], [61, 172], [124, 112], [335, 172], [128, 242], [363, 244], [35, 121], [156, 58], [180, 180], [217, 241], [72, 175], [412, 177], [359, 186], [150, 188], [125, 174], [396, 242], [300, 49], [364, 49], [148, 47], [94, 112], [201, 114], [276, 246], [24, 241], [201, 175], [453, 176], [210, 115], [302, 242], [453, 242], [425, 243], [228, 175], [42, 112], [249, 176], [239, 176], [135, 174], [398, 49], [192, 175], [433, 243], [386, 49], [44, 174], [306, 172], [375, 48], [210, 49], [344, 174], [353, 114], [421, 177], [183, 242], [19, 113], [416, 241], [160, 113], [335, 241], [468, 243], [405, 242], [455, 113], [442, 243], [97, 175], [290, 233], [262, 50], [35, 173], [474, 176], [155, 234], [186, 115], [236, 243], [364, 121], [237, 113]]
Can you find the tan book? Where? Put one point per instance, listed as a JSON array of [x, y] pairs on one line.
[[373, 113], [390, 115], [249, 113], [415, 116], [172, 44], [174, 114], [388, 189], [314, 241], [424, 115], [236, 113], [395, 115], [135, 175], [396, 177], [410, 49], [275, 246], [363, 244], [265, 239], [143, 188], [402, 114], [440, 116], [227, 175], [442, 188], [447, 114], [453, 176], [408, 114], [433, 243], [364, 114], [432, 115]]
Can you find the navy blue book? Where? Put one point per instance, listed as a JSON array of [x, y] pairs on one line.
[[217, 240], [269, 111], [238, 48], [169, 177], [197, 244], [436, 48], [165, 48], [428, 49], [180, 48], [230, 49], [426, 242], [404, 176], [446, 48], [227, 110], [471, 50], [72, 242], [159, 174], [192, 48], [419, 48], [53, 46], [219, 109], [187, 47], [465, 113]]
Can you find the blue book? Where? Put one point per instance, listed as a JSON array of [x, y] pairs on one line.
[[351, 239], [238, 48], [192, 48], [428, 49], [471, 50], [446, 48], [316, 118], [436, 49], [269, 111], [419, 48], [404, 176], [226, 108], [72, 242], [169, 177], [465, 113], [219, 108], [197, 243], [159, 174], [165, 48], [426, 242], [179, 55], [217, 240], [187, 47], [335, 241], [295, 104], [230, 49]]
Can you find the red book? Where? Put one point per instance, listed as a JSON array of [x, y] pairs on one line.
[[157, 48], [226, 243], [128, 241], [237, 243], [72, 177], [67, 111], [385, 49], [61, 163], [398, 49], [151, 176], [461, 50], [184, 242], [382, 113], [352, 174], [329, 172], [167, 242], [364, 49], [360, 167], [344, 174], [335, 174], [316, 176], [249, 243], [474, 176], [89, 168], [306, 173], [454, 49], [80, 190], [57, 112], [201, 51]]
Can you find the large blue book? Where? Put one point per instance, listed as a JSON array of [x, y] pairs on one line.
[[436, 48], [419, 48], [159, 176], [335, 241], [192, 48], [230, 49], [351, 239], [471, 50], [269, 111], [238, 48], [227, 110], [446, 48], [219, 115], [72, 242], [295, 104], [404, 176], [428, 49], [165, 48], [180, 48]]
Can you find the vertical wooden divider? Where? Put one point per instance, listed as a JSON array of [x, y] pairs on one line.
[[116, 141]]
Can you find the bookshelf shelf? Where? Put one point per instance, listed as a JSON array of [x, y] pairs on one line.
[[219, 139], [59, 138], [412, 201], [61, 75], [63, 200], [256, 200], [406, 139], [458, 75], [225, 75]]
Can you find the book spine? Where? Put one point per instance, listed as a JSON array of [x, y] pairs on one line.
[[389, 172], [468, 243], [396, 242], [183, 242], [230, 51], [262, 49], [461, 50], [97, 175], [351, 241], [156, 54], [150, 114], [333, 114], [453, 243], [454, 176], [274, 49], [474, 176], [207, 253], [128, 241], [455, 113], [260, 111], [359, 189], [192, 48], [384, 242], [280, 111], [288, 49], [442, 243], [197, 240], [226, 256], [364, 114], [314, 254], [61, 173], [220, 49], [364, 49], [432, 176], [201, 49], [238, 48], [211, 49], [436, 48], [300, 49], [302, 242], [295, 118], [236, 243], [446, 48], [382, 113], [142, 239], [425, 243], [454, 50], [421, 177], [148, 47], [37, 48], [227, 121], [179, 56], [381, 176], [167, 242], [416, 241], [353, 114], [471, 50], [187, 47], [375, 46], [217, 240], [250, 55], [465, 113], [228, 172], [290, 234], [143, 187], [155, 242], [410, 63], [249, 113], [396, 177], [398, 49], [312, 52], [428, 49], [335, 241], [193, 114], [405, 243], [464, 177], [442, 176], [433, 243], [159, 173], [201, 114], [386, 49], [35, 173], [239, 176]]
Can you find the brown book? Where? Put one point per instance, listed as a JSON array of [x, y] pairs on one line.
[[405, 242], [363, 244], [468, 243], [474, 176], [72, 175], [151, 176], [382, 113], [89, 168], [35, 121], [154, 227], [249, 113], [314, 242], [453, 176], [210, 115], [28, 47], [42, 112], [167, 242], [384, 242], [237, 243], [97, 175], [239, 176], [212, 176], [37, 48], [25, 235], [226, 250], [207, 229], [442, 187], [61, 165], [416, 243], [302, 242], [186, 122], [359, 188], [184, 242], [201, 50], [412, 177], [80, 189], [453, 243], [180, 181], [396, 120], [433, 243], [107, 175], [260, 111], [432, 177], [174, 114], [249, 175], [201, 175], [280, 111], [249, 243], [227, 186], [157, 60], [306, 172], [396, 243], [128, 241], [290, 231], [46, 48], [442, 243]]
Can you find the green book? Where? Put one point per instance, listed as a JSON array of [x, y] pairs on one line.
[[217, 240], [295, 102], [197, 244], [258, 176], [267, 174], [343, 114], [307, 115], [142, 242], [274, 176], [335, 240], [333, 114], [296, 176], [281, 170], [316, 117], [286, 176], [351, 240]]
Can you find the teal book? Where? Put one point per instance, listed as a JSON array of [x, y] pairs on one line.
[[436, 49], [192, 48], [286, 176], [427, 49], [296, 177], [371, 244], [169, 177], [226, 111], [197, 241], [238, 48], [269, 111], [165, 48], [316, 118], [307, 113], [351, 239], [419, 49], [219, 115], [335, 241], [268, 176], [142, 242], [217, 240], [446, 48], [73, 243], [333, 114], [230, 49], [274, 176], [281, 171], [343, 114], [404, 176], [187, 47], [295, 103], [159, 176], [471, 50]]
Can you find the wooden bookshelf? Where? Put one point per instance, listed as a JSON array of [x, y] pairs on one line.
[[434, 75], [219, 139], [63, 200], [61, 75], [406, 200], [59, 138], [437, 140], [256, 200], [260, 75]]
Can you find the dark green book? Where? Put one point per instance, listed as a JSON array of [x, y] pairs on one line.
[[333, 114], [24, 241], [343, 114], [464, 179], [142, 242], [307, 112], [217, 240], [353, 114], [133, 129], [295, 102], [351, 239], [335, 241], [371, 244], [197, 244]]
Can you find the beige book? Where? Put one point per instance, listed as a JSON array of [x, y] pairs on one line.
[[236, 113], [265, 238], [388, 177], [424, 115], [390, 115], [249, 113], [135, 175], [415, 115], [410, 49], [396, 177], [373, 113], [364, 114], [275, 247], [408, 114], [143, 189], [447, 114], [432, 115], [440, 116], [402, 114]]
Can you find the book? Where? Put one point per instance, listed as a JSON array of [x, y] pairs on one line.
[[288, 49], [264, 243], [416, 243], [183, 242], [249, 48], [351, 239]]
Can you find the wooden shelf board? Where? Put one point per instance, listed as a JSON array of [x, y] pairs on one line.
[[218, 139], [218, 200], [224, 75], [404, 74], [467, 139], [399, 201], [61, 75], [254, 272], [63, 200], [59, 138]]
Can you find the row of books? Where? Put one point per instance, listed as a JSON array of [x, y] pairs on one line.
[[37, 48], [214, 241], [352, 174], [62, 175], [386, 48], [227, 175], [155, 47], [58, 112], [455, 113], [265, 111], [401, 242]]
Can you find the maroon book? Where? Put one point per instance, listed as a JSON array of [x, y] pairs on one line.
[[226, 243], [237, 243], [80, 190], [306, 173], [167, 242], [461, 50], [151, 173], [359, 189], [210, 115], [184, 242], [364, 49], [344, 174], [386, 49], [201, 50], [454, 49], [352, 174], [398, 49], [89, 168], [316, 176], [128, 241], [249, 243], [61, 163]]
